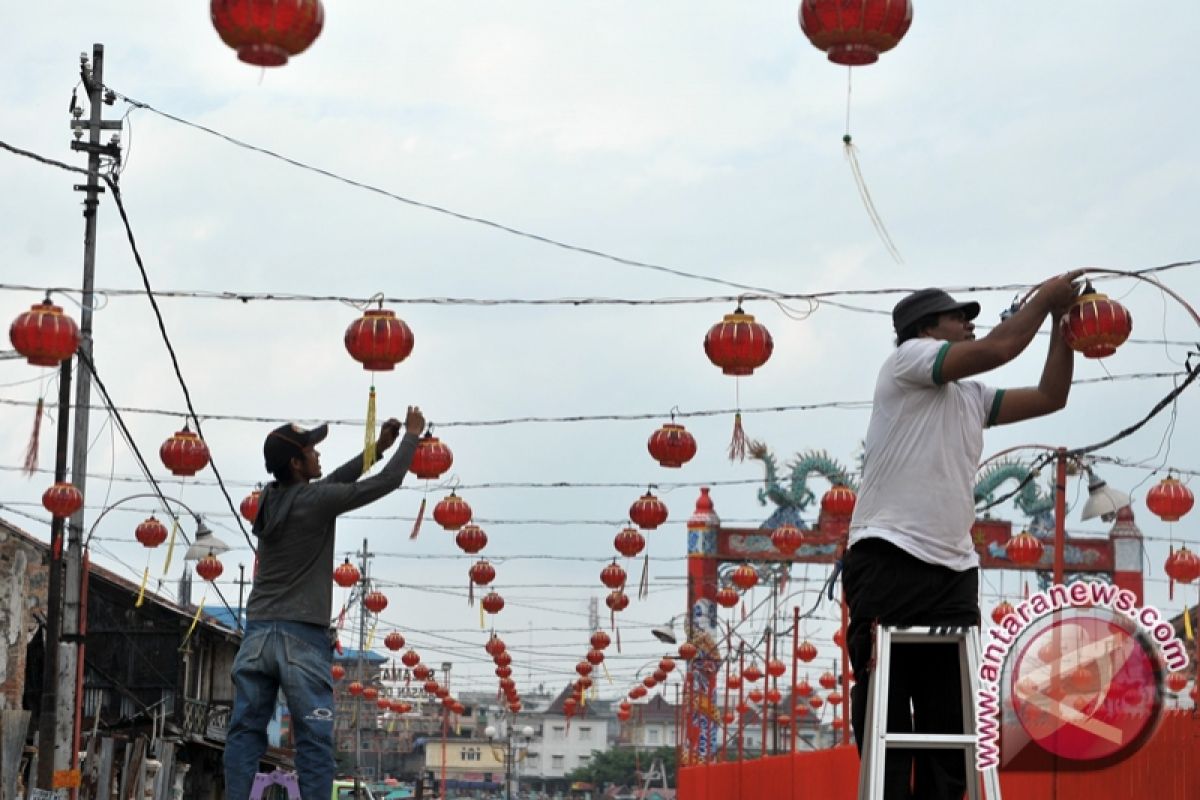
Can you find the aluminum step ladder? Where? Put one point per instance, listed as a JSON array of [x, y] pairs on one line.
[[876, 738], [264, 780]]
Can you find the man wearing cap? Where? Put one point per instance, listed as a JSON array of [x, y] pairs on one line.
[[287, 643], [911, 560]]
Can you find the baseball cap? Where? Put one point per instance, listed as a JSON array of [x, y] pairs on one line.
[[288, 441], [929, 301]]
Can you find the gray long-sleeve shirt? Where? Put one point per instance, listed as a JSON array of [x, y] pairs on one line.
[[295, 527]]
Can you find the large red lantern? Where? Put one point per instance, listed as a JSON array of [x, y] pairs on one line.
[[755, 696], [355, 688], [752, 673], [62, 499], [637, 692], [370, 692], [378, 340], [727, 597], [495, 645], [346, 574], [688, 651], [209, 568], [492, 602], [744, 577], [853, 34], [410, 658], [431, 459], [394, 641], [482, 572], [737, 344], [775, 667], [452, 512], [266, 33], [613, 576], [584, 668], [503, 672], [44, 335], [1002, 610], [671, 445], [502, 659], [337, 671], [1095, 325], [1169, 499], [629, 543], [1177, 682], [667, 665], [471, 539], [420, 672], [827, 680], [839, 501], [375, 601], [787, 539], [152, 533], [648, 512], [595, 657], [600, 640], [806, 651], [734, 681], [1024, 549], [1182, 566], [835, 698], [249, 506], [617, 600], [804, 688], [184, 454]]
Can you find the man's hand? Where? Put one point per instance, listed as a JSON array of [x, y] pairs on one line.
[[414, 421], [1060, 292], [387, 436]]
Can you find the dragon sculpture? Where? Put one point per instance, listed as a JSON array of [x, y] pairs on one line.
[[793, 500], [1030, 499]]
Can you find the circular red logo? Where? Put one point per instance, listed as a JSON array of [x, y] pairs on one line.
[[1084, 685]]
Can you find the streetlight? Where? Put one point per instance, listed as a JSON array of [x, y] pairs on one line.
[[512, 754]]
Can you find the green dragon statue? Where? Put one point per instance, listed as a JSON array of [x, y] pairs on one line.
[[1031, 500], [791, 501]]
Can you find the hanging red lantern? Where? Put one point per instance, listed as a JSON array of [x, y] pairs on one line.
[[1177, 682], [600, 640], [839, 637], [595, 657], [482, 572], [667, 665], [495, 645], [507, 684], [452, 512], [737, 344], [613, 576], [184, 454], [623, 714], [401, 707], [804, 688], [671, 445], [687, 651], [346, 575], [584, 668], [800, 711], [617, 600], [1182, 565], [62, 499], [744, 577], [568, 707], [839, 501], [755, 696], [44, 335], [1024, 549], [502, 659], [442, 693], [209, 568], [337, 671], [854, 34], [249, 506], [649, 681], [1170, 499], [827, 680], [648, 512], [1002, 610], [431, 687], [492, 602], [515, 706], [420, 672], [728, 717], [835, 698], [742, 708], [1095, 325], [410, 658], [752, 673], [659, 676], [775, 667], [773, 696], [266, 33], [471, 539], [383, 704], [378, 340], [370, 693], [734, 681], [629, 542], [806, 651], [816, 702], [355, 688], [151, 533], [503, 672], [394, 641], [784, 720], [432, 458], [375, 601], [727, 597], [637, 692], [787, 539]]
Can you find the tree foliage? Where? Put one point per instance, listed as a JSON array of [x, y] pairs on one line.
[[621, 765]]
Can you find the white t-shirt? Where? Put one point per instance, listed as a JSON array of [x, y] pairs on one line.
[[922, 450]]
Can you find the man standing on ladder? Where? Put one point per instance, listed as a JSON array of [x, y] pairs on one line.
[[911, 560]]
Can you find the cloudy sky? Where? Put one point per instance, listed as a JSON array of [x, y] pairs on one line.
[[1002, 143]]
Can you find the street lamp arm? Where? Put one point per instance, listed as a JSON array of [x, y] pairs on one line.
[[140, 496]]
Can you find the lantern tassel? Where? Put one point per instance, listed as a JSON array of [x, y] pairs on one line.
[[31, 451], [861, 183], [416, 529], [471, 592], [142, 589], [369, 435], [737, 445], [1171, 581], [644, 583], [1187, 625], [481, 625]]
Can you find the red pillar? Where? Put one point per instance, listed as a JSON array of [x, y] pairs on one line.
[[703, 627]]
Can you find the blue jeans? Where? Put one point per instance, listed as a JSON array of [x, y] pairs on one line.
[[295, 657]]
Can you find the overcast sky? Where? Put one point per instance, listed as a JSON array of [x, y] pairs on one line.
[[1002, 143]]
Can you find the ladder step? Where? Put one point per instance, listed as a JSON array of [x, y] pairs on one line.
[[931, 741]]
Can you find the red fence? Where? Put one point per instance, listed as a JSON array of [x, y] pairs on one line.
[[1166, 768]]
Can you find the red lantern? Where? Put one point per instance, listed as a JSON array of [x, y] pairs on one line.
[[1002, 610], [355, 688], [659, 676], [744, 577], [648, 512], [184, 454], [666, 665], [637, 692], [1170, 499], [337, 671], [804, 688], [502, 659], [787, 539], [503, 672], [806, 651], [209, 568], [1095, 325], [507, 684], [649, 681], [492, 602], [44, 335], [728, 717], [755, 695], [470, 538], [835, 698], [827, 680], [613, 576], [854, 34], [495, 645], [734, 681], [752, 673], [801, 711], [784, 720], [1182, 566], [266, 33], [378, 340], [249, 506], [482, 572], [1024, 549], [839, 501], [152, 533], [394, 641], [839, 637], [617, 600], [62, 499], [737, 344], [431, 687], [687, 651], [816, 702], [623, 714], [584, 668], [370, 693], [410, 658], [432, 458], [671, 445], [775, 668], [600, 640], [375, 601], [595, 657], [452, 512], [420, 672], [1177, 682], [773, 696], [346, 575], [401, 707], [629, 543], [727, 597], [515, 706]]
